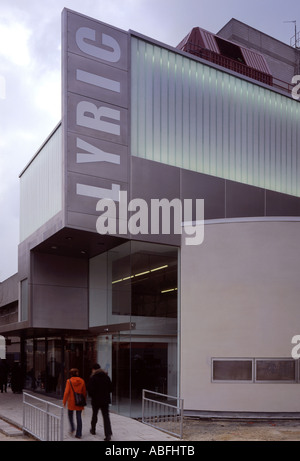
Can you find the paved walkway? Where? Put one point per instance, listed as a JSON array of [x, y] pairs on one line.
[[124, 429]]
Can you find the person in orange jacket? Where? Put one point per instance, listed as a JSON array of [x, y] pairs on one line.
[[78, 386]]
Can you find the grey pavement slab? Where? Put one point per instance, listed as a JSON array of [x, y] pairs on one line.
[[124, 428], [10, 430]]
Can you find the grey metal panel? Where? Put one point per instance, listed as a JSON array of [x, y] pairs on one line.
[[78, 220], [58, 270], [59, 291], [88, 222], [150, 181], [58, 307], [95, 116], [9, 290], [243, 200], [112, 127], [211, 189], [75, 21], [281, 204], [85, 152], [96, 80], [222, 198], [80, 185]]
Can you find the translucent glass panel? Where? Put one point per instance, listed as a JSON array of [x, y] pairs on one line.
[[190, 115], [41, 186]]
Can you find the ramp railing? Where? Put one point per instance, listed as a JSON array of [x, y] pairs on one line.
[[42, 418], [163, 412]]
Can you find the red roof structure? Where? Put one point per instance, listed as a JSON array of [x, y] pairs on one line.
[[213, 48]]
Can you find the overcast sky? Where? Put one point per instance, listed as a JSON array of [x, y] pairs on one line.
[[30, 100]]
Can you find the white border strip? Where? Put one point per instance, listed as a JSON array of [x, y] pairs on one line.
[[244, 220]]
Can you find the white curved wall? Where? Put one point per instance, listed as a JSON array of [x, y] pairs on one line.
[[240, 296]]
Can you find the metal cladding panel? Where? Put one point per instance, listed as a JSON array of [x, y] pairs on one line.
[[95, 116], [209, 41], [194, 38], [199, 37], [255, 60]]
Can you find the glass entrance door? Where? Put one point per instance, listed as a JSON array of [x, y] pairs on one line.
[[135, 285], [79, 353], [134, 365]]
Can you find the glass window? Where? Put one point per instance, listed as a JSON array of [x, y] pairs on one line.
[[134, 279], [232, 370], [266, 370], [144, 283], [54, 371], [276, 370], [40, 364]]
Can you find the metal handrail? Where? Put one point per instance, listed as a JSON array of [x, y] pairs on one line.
[[39, 418], [154, 413], [228, 63], [237, 66]]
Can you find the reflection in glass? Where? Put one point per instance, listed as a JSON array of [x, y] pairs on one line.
[[136, 283], [144, 283]]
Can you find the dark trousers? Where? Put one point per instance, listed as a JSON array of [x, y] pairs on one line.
[[106, 419], [78, 421], [3, 385]]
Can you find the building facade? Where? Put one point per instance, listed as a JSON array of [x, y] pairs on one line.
[[146, 128]]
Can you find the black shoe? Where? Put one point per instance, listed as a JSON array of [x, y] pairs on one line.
[[107, 439], [92, 431]]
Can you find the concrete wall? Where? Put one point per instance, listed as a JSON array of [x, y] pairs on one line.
[[240, 299]]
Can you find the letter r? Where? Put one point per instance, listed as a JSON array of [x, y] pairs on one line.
[[90, 116]]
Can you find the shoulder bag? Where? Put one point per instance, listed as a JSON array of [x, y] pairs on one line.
[[79, 398]]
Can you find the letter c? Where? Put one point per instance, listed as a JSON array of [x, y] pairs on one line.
[[112, 55]]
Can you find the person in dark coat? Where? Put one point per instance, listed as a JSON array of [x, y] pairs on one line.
[[3, 375], [99, 389], [16, 379]]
